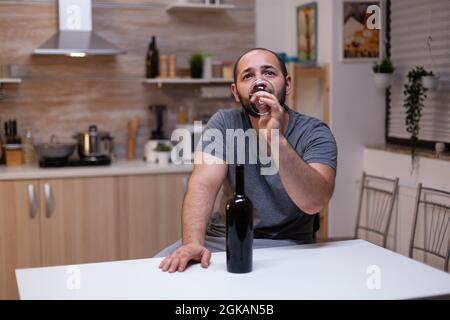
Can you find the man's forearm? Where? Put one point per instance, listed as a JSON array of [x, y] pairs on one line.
[[304, 185], [197, 207]]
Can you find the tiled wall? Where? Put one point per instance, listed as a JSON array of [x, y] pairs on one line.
[[62, 95]]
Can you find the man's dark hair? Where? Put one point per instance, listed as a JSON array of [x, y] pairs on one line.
[[280, 62]]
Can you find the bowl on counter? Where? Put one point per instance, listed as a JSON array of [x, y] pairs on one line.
[[55, 149]]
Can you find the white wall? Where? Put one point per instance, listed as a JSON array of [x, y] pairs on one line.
[[276, 26], [357, 119], [357, 107], [271, 27]]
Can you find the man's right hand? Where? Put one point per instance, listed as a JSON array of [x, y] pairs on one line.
[[179, 259]]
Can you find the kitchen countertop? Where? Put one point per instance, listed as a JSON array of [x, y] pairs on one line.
[[117, 168], [354, 269]]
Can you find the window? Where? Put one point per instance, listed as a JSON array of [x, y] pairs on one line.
[[412, 22]]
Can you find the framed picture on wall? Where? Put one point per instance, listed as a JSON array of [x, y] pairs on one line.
[[362, 31], [307, 33]]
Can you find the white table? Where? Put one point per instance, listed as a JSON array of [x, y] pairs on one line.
[[352, 269]]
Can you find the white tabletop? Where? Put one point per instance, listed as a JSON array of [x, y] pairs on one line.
[[352, 269]]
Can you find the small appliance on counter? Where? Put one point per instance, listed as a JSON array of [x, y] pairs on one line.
[[94, 145], [94, 148], [157, 136]]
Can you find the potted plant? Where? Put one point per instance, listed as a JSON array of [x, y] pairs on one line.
[[163, 153], [415, 95], [196, 63], [430, 81], [383, 73]]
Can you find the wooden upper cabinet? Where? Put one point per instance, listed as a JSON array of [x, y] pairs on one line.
[[150, 213], [79, 220], [19, 232]]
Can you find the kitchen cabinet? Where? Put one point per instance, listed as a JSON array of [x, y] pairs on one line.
[[79, 220], [54, 222], [19, 232], [150, 213]]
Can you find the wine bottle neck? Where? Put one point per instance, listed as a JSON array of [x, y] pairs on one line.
[[240, 180], [153, 43]]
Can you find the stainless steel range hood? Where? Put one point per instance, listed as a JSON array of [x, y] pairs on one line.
[[75, 36]]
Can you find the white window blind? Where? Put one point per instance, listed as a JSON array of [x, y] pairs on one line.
[[412, 22]]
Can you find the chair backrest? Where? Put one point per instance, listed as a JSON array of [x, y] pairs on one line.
[[430, 238], [375, 206]]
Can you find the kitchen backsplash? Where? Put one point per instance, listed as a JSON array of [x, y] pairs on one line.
[[62, 95]]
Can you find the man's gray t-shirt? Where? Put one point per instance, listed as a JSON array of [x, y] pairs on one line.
[[275, 215]]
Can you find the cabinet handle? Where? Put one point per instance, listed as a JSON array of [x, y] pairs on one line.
[[185, 182], [33, 201], [49, 203]]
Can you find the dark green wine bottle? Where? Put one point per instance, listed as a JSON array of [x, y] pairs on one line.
[[152, 60], [239, 228]]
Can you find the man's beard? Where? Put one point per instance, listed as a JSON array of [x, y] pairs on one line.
[[251, 111]]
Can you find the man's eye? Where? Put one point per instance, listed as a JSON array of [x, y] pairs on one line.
[[270, 73], [246, 76]]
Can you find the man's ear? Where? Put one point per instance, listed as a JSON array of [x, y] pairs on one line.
[[288, 80], [235, 92]]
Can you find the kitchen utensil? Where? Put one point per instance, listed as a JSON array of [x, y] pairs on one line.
[[84, 162], [133, 126], [11, 136], [93, 144], [158, 133], [55, 149]]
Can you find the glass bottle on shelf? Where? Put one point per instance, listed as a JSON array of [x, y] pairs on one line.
[[152, 61]]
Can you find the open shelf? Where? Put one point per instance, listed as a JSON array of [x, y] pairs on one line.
[[175, 81], [10, 80], [199, 7]]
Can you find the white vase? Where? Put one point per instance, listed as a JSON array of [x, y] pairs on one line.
[[163, 157], [150, 154], [207, 67], [439, 147], [383, 80], [430, 82]]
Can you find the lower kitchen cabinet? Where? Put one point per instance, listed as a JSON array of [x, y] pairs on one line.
[[19, 232], [150, 213], [79, 220], [55, 222]]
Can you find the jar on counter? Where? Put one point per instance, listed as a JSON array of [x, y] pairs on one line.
[[29, 154], [13, 155], [217, 69], [227, 70]]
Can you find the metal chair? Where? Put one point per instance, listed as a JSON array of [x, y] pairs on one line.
[[431, 226], [375, 206]]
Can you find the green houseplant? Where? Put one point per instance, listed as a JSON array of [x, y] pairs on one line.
[[196, 63], [383, 73], [415, 95]]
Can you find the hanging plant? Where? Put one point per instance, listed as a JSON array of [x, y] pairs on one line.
[[415, 95]]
